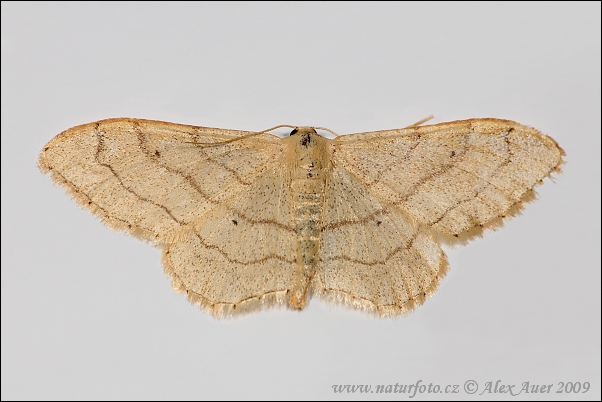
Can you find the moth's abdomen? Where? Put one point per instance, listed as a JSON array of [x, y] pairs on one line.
[[310, 157], [307, 197]]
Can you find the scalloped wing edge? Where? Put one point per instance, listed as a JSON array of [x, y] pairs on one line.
[[281, 297]]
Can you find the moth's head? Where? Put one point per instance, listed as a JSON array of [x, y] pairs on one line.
[[306, 135], [303, 130]]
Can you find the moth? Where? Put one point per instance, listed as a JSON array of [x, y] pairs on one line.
[[248, 219]]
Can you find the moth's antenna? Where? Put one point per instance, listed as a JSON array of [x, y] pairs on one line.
[[326, 129], [213, 144], [275, 127], [421, 121]]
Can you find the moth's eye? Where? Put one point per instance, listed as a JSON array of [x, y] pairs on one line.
[[294, 132]]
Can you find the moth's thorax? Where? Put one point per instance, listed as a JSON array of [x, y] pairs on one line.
[[309, 153]]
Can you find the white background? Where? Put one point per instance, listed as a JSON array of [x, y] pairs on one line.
[[88, 313]]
